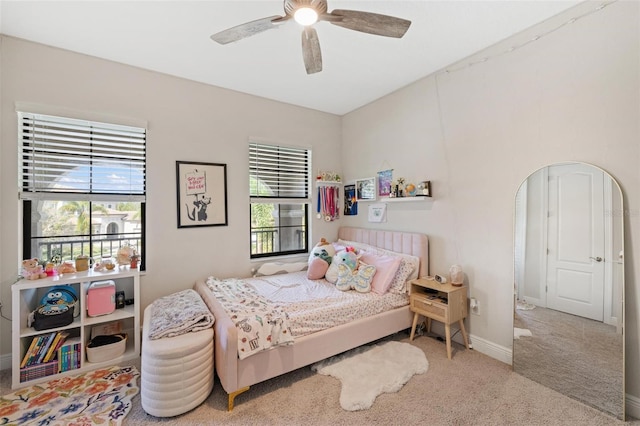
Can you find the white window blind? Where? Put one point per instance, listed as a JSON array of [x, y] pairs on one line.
[[69, 159], [278, 172]]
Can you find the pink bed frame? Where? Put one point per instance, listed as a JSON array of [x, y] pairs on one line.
[[236, 376]]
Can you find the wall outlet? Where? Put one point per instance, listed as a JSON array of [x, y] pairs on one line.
[[475, 306]]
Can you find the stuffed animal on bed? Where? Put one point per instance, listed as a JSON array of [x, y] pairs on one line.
[[320, 258], [324, 250], [347, 256], [353, 274]]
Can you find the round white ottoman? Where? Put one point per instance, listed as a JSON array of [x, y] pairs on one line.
[[177, 372]]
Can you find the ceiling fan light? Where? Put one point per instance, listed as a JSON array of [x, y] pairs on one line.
[[305, 16]]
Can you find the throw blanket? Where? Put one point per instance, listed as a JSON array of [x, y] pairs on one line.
[[179, 313], [260, 324]]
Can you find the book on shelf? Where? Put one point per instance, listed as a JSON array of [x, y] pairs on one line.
[[33, 356], [61, 336], [69, 355], [34, 352], [29, 352], [43, 348], [46, 343]]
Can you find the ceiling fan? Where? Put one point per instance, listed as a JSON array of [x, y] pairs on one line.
[[307, 13]]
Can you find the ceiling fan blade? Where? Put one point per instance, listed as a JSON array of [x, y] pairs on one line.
[[367, 22], [311, 51], [248, 29]]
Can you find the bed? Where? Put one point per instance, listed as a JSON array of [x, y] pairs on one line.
[[237, 375]]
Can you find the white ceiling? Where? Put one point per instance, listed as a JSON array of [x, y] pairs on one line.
[[172, 37]]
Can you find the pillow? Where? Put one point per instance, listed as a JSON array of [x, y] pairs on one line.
[[400, 279], [332, 273], [414, 260], [343, 256], [317, 268], [273, 268], [360, 280], [386, 268], [338, 247]]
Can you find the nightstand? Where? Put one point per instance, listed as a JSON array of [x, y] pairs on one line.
[[441, 302]]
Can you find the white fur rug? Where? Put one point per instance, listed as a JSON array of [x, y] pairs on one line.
[[368, 371]]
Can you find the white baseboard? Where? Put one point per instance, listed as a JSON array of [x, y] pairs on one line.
[[632, 406], [5, 361], [491, 349], [479, 344]]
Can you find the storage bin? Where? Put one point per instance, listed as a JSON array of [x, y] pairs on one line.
[[38, 370], [106, 347]]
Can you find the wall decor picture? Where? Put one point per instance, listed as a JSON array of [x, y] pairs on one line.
[[202, 194], [377, 213], [350, 201], [366, 189], [384, 182]]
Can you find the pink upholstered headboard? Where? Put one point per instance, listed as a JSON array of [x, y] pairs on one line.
[[402, 242]]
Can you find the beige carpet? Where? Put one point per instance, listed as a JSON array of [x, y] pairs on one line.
[[471, 389], [575, 356]]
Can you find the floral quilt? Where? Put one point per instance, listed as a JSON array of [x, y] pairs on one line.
[[260, 324]]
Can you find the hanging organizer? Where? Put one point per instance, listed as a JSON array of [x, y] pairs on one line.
[[328, 202]]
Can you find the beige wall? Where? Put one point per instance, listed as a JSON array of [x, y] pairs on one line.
[[476, 133], [186, 121]]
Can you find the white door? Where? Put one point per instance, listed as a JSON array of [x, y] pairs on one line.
[[575, 264]]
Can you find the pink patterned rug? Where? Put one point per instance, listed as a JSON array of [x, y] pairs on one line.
[[96, 397]]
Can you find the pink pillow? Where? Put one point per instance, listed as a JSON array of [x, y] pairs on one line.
[[317, 268], [386, 267]]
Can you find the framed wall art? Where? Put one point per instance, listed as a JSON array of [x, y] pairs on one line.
[[201, 190], [366, 189], [377, 213], [350, 202], [384, 182]]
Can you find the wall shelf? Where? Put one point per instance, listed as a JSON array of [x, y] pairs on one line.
[[415, 198], [320, 183]]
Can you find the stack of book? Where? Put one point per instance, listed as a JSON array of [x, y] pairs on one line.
[[48, 354], [43, 348], [69, 355]]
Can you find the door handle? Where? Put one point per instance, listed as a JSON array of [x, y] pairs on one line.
[[597, 259]]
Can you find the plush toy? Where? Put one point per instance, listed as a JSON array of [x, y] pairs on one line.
[[357, 279], [50, 269], [124, 255], [320, 258], [348, 256], [324, 250], [32, 270], [66, 268], [350, 272]]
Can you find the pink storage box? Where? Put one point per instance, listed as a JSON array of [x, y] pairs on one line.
[[101, 298]]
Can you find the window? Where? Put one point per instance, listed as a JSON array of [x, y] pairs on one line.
[[279, 190], [82, 187]]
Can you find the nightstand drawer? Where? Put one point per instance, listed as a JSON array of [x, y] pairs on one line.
[[433, 308]]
